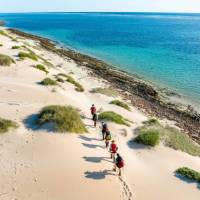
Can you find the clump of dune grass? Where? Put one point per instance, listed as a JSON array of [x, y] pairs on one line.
[[65, 118], [78, 86], [42, 68], [4, 33], [48, 81], [105, 91], [113, 117], [30, 55], [120, 104], [6, 60], [59, 79], [1, 45], [188, 173], [171, 137], [6, 124], [149, 137], [16, 47]]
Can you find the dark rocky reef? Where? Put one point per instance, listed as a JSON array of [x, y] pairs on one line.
[[141, 94], [2, 23]]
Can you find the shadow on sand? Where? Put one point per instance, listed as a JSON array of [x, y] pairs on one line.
[[92, 146], [134, 145], [98, 175], [88, 139], [31, 123], [187, 180], [96, 159]]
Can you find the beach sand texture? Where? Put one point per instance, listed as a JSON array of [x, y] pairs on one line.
[[39, 164]]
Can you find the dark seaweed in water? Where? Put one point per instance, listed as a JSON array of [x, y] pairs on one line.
[[142, 95]]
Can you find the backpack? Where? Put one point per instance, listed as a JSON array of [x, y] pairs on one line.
[[108, 137]]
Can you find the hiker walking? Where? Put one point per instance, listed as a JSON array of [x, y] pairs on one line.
[[107, 138], [94, 118], [93, 110], [113, 150], [104, 128], [119, 163]]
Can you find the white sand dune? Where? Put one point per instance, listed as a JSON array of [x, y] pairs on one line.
[[39, 164]]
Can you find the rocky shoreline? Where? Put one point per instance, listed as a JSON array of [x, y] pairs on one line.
[[142, 95]]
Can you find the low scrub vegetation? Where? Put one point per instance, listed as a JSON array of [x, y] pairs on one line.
[[78, 86], [171, 137], [48, 81], [42, 68], [65, 118], [5, 125], [106, 91], [120, 104], [6, 60], [30, 55], [148, 137], [1, 45], [16, 47], [189, 173], [113, 117]]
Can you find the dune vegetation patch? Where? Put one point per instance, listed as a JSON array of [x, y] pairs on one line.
[[113, 117], [6, 60], [48, 81], [65, 118], [78, 86], [16, 47], [30, 55], [148, 137], [120, 104], [170, 137], [105, 91], [1, 45], [188, 173], [6, 124], [42, 68]]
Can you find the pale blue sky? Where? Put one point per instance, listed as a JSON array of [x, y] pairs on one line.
[[100, 5]]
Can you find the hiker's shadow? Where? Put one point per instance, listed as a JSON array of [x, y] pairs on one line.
[[88, 139], [92, 146], [98, 175], [96, 159]]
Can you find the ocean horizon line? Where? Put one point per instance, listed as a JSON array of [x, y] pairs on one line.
[[105, 12]]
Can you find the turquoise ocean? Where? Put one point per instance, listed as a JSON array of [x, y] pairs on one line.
[[160, 48]]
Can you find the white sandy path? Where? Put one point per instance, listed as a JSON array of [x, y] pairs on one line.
[[42, 165]]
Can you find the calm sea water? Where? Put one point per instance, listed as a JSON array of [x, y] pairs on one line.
[[162, 48]]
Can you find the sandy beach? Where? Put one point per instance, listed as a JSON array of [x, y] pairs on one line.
[[44, 165]]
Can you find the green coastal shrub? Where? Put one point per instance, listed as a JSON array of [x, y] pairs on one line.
[[5, 125], [42, 68], [120, 104], [65, 118], [78, 86], [106, 91], [48, 81], [113, 117], [1, 45], [6, 60], [15, 47], [148, 137], [171, 137], [30, 55], [189, 173]]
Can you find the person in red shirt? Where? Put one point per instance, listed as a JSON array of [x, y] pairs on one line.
[[93, 110], [113, 150]]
